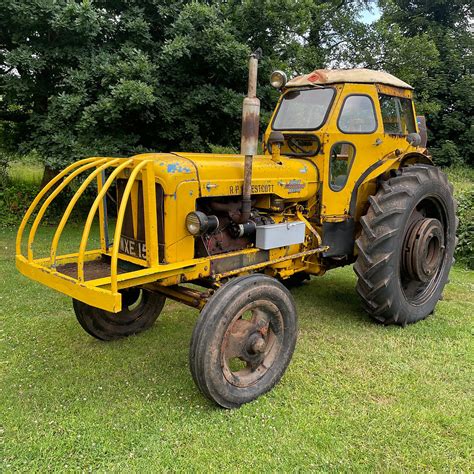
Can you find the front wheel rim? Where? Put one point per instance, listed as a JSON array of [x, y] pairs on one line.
[[252, 343]]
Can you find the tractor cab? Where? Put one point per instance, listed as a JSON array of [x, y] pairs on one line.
[[345, 122]]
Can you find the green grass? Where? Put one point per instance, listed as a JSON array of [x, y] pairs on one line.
[[356, 397], [26, 171], [462, 177]]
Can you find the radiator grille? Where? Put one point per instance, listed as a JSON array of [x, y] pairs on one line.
[[133, 229]]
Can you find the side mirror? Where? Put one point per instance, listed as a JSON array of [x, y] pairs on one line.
[[278, 139], [422, 128], [414, 139]]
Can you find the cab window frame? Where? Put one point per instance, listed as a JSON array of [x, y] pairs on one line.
[[399, 107], [340, 142], [374, 110], [326, 116]]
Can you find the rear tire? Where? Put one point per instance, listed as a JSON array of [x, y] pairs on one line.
[[140, 309], [243, 340], [406, 245]]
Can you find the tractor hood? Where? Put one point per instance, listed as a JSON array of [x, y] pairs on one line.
[[223, 175]]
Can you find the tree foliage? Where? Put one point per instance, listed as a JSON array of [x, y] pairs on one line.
[[437, 45], [117, 77]]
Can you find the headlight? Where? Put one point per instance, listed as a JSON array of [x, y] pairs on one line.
[[198, 223], [278, 79]]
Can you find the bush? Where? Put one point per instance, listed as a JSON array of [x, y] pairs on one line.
[[462, 177], [20, 179], [15, 198], [447, 154], [4, 163], [218, 149], [465, 247]]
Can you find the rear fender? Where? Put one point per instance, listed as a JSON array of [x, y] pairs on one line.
[[369, 181], [414, 158]]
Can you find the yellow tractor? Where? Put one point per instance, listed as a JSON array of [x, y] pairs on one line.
[[345, 177]]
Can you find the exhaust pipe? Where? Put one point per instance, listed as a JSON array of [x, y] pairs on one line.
[[249, 139]]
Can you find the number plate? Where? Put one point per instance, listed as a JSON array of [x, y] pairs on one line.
[[133, 248]]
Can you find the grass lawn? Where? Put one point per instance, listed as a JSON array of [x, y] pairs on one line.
[[26, 171], [357, 396]]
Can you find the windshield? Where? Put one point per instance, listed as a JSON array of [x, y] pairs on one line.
[[303, 110]]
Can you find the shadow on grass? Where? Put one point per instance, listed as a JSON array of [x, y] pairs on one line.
[[331, 297]]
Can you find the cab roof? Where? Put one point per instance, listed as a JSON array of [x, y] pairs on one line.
[[322, 77]]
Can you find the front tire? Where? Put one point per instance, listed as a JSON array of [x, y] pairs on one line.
[[406, 245], [243, 340], [140, 309]]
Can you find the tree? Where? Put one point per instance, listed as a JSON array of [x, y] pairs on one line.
[[438, 38], [81, 74], [116, 77]]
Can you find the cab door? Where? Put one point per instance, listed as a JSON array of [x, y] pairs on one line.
[[353, 145]]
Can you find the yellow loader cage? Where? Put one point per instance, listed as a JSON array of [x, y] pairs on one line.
[[94, 276]]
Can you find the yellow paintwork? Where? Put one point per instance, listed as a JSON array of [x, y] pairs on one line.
[[303, 183], [186, 177]]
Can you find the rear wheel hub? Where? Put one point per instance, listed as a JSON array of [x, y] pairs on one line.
[[423, 250]]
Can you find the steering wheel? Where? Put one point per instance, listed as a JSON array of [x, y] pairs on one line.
[[297, 148], [293, 145]]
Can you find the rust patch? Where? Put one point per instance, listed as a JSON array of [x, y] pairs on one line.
[[188, 296], [234, 262], [92, 270]]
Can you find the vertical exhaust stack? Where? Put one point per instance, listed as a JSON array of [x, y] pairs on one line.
[[249, 139]]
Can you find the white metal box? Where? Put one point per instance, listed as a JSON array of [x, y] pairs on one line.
[[271, 236]]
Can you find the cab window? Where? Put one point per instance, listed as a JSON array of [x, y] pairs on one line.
[[340, 162], [357, 115], [305, 109], [397, 115]]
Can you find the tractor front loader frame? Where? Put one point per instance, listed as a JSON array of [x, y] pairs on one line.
[[69, 273]]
